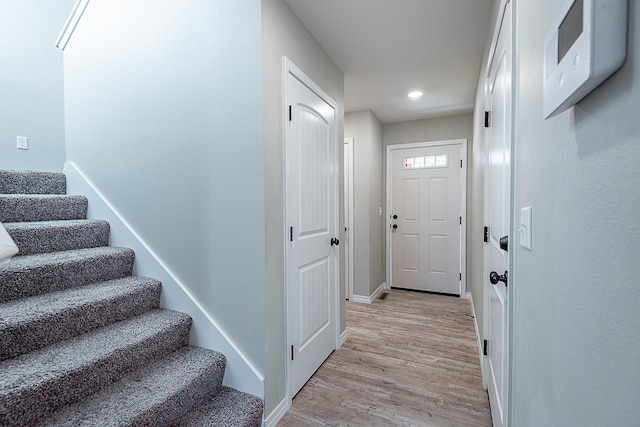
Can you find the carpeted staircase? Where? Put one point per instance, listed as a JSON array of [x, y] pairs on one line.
[[85, 343]]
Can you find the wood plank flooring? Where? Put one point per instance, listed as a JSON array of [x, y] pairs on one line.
[[411, 360]]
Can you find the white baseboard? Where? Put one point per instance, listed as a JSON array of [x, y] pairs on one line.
[[277, 414], [371, 298], [344, 336], [205, 332], [479, 341]]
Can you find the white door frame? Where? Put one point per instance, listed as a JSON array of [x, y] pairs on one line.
[[463, 203], [512, 233], [289, 68], [348, 182]]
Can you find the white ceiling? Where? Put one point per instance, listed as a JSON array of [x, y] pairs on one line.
[[386, 48]]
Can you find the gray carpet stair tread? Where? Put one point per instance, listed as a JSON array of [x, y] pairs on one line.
[[31, 323], [32, 182], [154, 395], [82, 341], [36, 384], [54, 236], [31, 275], [41, 207], [226, 407]]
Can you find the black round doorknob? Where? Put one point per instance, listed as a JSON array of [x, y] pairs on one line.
[[494, 278], [395, 217], [335, 241], [395, 226]]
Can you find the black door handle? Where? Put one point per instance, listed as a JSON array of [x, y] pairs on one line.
[[395, 217], [494, 278], [335, 241], [394, 226]]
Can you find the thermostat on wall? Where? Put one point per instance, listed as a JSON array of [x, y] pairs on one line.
[[586, 44]]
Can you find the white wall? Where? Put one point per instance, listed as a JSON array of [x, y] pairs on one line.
[[163, 104], [368, 181], [576, 324], [31, 78], [284, 35]]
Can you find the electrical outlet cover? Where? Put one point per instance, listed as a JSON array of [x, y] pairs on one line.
[[23, 143]]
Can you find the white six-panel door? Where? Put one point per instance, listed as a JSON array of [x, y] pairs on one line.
[[426, 218], [311, 156]]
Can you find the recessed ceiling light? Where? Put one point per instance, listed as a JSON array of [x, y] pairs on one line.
[[415, 94]]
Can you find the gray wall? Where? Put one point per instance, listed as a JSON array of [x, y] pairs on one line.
[[576, 327], [434, 129], [368, 245], [163, 104], [31, 76], [284, 35]]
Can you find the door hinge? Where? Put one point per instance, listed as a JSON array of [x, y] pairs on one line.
[[289, 112], [485, 349], [460, 162], [487, 119], [292, 352], [460, 276], [486, 234], [460, 220], [291, 234]]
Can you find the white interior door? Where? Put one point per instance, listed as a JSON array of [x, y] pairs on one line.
[[311, 156], [497, 219], [426, 219]]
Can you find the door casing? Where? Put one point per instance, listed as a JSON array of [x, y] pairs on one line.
[[348, 219], [463, 204]]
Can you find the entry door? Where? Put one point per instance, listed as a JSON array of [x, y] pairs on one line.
[[425, 218], [497, 218], [311, 158]]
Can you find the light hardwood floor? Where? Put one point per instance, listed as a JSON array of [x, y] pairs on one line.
[[411, 359]]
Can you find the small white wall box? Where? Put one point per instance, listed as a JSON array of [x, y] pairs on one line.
[[586, 44]]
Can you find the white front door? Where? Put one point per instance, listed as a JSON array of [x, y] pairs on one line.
[[311, 165], [497, 219], [425, 218]]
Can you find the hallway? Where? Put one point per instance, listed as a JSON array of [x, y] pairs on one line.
[[411, 359]]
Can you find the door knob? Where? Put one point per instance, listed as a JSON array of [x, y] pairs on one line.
[[395, 217], [335, 241], [394, 226], [494, 278]]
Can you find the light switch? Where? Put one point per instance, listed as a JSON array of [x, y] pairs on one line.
[[525, 227], [23, 143]]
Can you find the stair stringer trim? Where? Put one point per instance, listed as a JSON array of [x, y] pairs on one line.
[[240, 373]]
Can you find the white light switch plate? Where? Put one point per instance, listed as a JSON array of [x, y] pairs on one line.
[[525, 227]]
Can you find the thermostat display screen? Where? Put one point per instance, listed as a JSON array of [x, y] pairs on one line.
[[570, 29]]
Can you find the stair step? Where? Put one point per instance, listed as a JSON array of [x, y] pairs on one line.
[[31, 275], [32, 182], [54, 236], [41, 207], [36, 384], [31, 323], [226, 407], [152, 396]]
